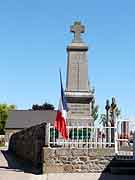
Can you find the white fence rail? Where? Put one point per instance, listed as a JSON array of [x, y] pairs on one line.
[[124, 139], [83, 137], [121, 137]]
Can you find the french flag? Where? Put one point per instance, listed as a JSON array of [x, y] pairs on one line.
[[60, 122]]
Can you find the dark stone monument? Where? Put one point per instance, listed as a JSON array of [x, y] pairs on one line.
[[78, 92]]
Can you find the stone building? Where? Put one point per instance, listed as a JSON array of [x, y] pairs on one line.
[[22, 119]]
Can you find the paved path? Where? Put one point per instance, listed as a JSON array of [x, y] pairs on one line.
[[89, 176], [10, 169]]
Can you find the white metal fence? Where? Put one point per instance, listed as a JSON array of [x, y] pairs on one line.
[[125, 130], [121, 137], [83, 137]]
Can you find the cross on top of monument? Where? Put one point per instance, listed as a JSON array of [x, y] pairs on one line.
[[77, 29]]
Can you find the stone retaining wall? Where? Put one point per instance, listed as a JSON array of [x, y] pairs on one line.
[[28, 143], [76, 160]]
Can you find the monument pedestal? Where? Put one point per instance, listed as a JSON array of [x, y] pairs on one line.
[[79, 108]]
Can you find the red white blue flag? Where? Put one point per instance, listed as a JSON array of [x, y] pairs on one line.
[[60, 122]]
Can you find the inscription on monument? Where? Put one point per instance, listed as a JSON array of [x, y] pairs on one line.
[[78, 57], [79, 108]]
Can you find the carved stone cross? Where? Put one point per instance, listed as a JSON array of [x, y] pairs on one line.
[[77, 29]]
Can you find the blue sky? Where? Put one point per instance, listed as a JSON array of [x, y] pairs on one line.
[[33, 39]]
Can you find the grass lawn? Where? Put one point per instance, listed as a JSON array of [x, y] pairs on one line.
[[1, 145]]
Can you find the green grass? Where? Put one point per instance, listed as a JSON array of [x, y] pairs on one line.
[[1, 145]]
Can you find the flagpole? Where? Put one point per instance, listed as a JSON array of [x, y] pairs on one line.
[[60, 122]]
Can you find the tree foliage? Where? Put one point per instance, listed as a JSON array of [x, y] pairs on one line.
[[45, 106], [95, 112], [118, 112], [103, 117], [4, 109]]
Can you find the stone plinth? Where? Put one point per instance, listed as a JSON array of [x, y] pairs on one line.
[[76, 160]]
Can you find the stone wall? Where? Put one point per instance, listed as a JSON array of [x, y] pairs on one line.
[[2, 139], [9, 133], [76, 160], [28, 143]]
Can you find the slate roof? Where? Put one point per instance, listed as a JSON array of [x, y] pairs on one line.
[[20, 119]]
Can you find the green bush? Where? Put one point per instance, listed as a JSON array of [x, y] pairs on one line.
[[81, 133]]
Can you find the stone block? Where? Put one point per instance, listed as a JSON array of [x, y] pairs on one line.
[[104, 162], [51, 152], [77, 170], [83, 158], [77, 166], [58, 162], [101, 152], [80, 162], [75, 161], [51, 161], [63, 152], [84, 167], [53, 168], [92, 157], [80, 152], [63, 158], [71, 158], [68, 168]]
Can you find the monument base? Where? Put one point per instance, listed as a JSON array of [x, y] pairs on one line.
[[79, 108]]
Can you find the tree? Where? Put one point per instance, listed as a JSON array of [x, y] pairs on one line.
[[4, 109], [108, 119], [103, 119], [94, 109], [45, 106], [118, 112], [95, 112]]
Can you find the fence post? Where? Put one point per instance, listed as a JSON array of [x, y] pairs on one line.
[[134, 146], [116, 137]]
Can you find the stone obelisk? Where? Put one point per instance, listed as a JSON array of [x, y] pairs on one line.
[[78, 93]]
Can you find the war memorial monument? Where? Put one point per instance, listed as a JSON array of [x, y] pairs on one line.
[[78, 91]]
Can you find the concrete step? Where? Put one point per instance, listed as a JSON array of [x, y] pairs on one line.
[[123, 163], [123, 170], [124, 157]]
